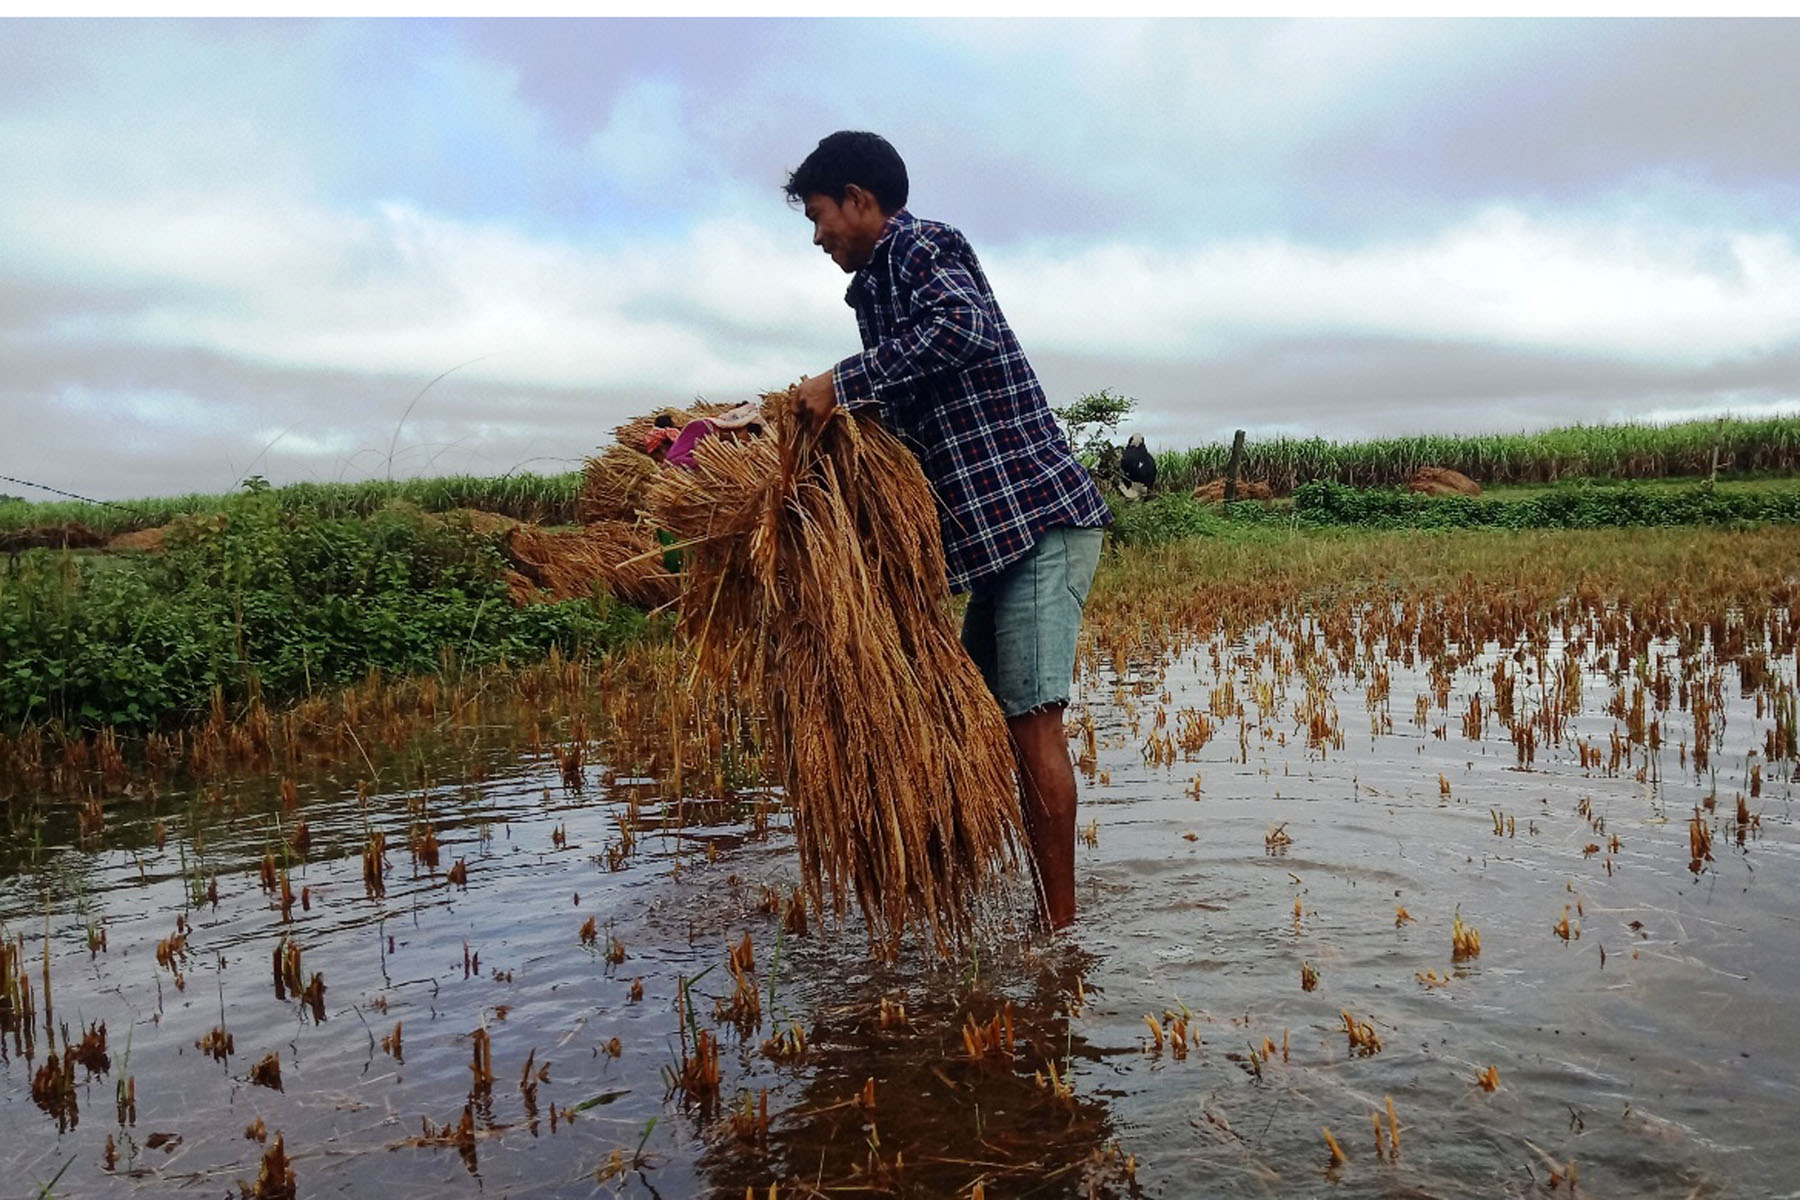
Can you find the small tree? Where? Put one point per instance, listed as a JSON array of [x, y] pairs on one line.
[[1092, 421]]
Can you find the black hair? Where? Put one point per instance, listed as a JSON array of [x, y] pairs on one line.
[[847, 157], [665, 421]]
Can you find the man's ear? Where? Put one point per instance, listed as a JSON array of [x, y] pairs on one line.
[[861, 197]]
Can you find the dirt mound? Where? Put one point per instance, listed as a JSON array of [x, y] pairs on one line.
[[1247, 489], [625, 559], [72, 536], [1442, 481]]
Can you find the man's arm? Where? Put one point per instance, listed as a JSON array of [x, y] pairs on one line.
[[948, 330]]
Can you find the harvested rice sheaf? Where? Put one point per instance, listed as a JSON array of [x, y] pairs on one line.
[[624, 559], [813, 578], [613, 485]]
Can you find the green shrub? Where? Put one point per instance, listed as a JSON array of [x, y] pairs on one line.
[[1161, 520], [260, 596], [1572, 507]]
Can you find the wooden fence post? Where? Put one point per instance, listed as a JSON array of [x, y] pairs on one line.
[[1231, 466]]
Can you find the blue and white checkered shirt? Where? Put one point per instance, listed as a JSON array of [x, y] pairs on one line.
[[941, 367]]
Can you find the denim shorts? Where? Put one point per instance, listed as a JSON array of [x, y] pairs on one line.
[[1021, 624]]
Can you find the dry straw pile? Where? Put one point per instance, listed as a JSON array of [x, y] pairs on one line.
[[813, 577], [1442, 481], [1247, 489]]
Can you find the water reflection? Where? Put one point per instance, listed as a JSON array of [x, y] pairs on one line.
[[914, 1086]]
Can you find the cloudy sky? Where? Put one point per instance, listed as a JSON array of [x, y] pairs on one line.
[[248, 246]]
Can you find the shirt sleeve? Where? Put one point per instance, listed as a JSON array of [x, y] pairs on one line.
[[946, 329]]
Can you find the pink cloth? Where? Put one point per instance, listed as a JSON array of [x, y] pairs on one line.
[[681, 452]]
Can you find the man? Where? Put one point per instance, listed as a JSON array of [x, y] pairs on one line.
[[1138, 469], [1021, 518]]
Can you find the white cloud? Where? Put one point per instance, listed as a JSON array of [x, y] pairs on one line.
[[731, 306], [400, 291], [1650, 295]]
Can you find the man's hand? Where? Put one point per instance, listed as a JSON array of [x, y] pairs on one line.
[[814, 397]]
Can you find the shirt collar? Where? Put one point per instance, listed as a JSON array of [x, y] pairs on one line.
[[863, 282]]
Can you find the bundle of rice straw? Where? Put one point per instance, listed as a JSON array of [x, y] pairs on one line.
[[613, 484], [622, 557], [813, 575]]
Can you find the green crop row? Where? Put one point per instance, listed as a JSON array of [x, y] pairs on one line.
[[548, 499], [1629, 451]]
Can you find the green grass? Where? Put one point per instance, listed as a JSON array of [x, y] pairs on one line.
[[1175, 517]]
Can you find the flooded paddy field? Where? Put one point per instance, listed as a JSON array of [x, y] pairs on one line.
[[1486, 888]]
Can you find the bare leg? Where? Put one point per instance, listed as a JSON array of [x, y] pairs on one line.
[[1049, 787]]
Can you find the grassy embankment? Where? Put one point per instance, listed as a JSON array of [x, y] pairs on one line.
[[1576, 505], [259, 600]]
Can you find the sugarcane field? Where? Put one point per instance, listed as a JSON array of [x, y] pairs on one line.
[[647, 831]]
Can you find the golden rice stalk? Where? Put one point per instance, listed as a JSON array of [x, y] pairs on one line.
[[623, 558], [813, 577]]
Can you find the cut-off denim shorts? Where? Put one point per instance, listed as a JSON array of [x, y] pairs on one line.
[[1021, 624]]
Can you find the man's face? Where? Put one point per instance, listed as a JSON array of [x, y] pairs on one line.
[[847, 230]]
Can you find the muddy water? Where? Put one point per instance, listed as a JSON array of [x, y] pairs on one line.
[[1655, 1046]]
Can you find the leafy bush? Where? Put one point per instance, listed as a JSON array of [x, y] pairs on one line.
[[1578, 507], [258, 596], [1161, 520], [1092, 419]]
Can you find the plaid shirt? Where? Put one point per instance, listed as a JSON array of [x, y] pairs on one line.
[[941, 367]]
